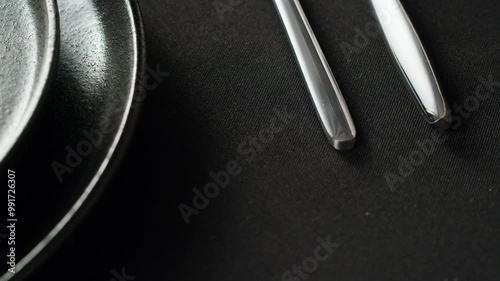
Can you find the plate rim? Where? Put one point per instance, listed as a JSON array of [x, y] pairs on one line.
[[43, 81], [93, 190]]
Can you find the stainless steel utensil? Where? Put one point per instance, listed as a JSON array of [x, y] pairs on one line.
[[412, 60], [326, 95]]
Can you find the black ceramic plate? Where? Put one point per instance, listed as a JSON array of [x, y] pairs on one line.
[[28, 52], [63, 168]]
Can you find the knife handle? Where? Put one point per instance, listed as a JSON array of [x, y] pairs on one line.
[[412, 60], [324, 90]]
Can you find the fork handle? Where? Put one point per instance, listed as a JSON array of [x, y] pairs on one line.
[[325, 92], [412, 60]]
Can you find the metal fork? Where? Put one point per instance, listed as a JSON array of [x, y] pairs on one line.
[[325, 92], [412, 61]]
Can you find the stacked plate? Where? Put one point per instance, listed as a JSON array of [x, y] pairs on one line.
[[69, 73]]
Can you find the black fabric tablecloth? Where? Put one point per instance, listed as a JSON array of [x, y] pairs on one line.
[[230, 73]]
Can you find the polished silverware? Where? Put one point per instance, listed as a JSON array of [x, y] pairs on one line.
[[325, 92], [412, 60]]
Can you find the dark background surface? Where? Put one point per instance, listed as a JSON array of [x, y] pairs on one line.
[[226, 77]]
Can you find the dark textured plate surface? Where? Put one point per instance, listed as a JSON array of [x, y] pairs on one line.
[[28, 52], [61, 170]]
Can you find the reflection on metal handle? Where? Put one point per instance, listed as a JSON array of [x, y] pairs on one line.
[[412, 60], [326, 95]]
